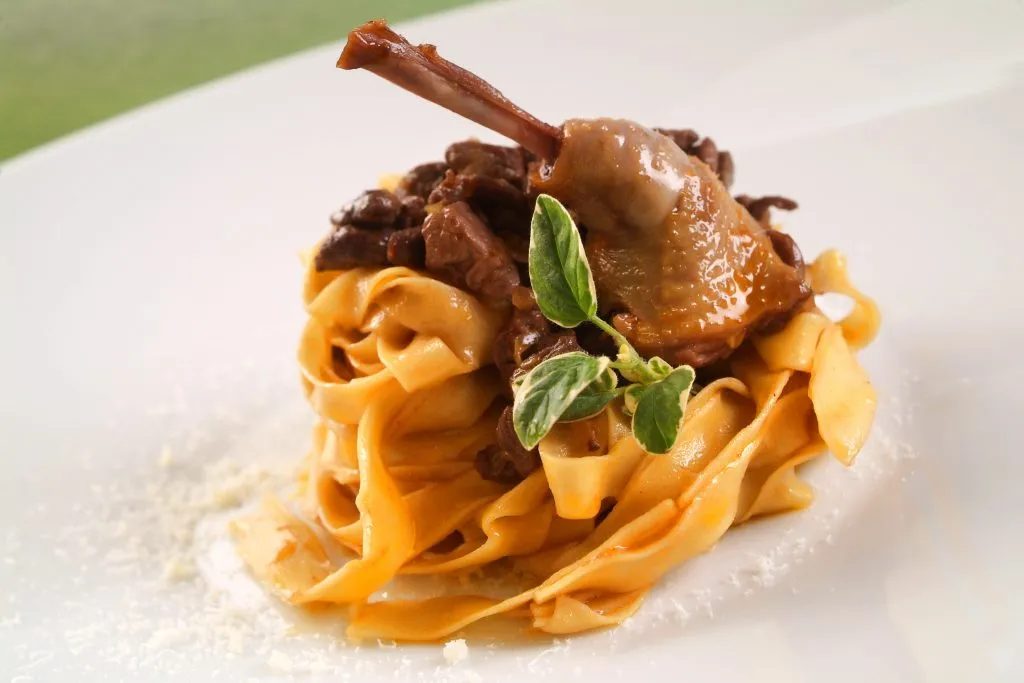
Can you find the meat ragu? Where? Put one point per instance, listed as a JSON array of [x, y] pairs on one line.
[[682, 269]]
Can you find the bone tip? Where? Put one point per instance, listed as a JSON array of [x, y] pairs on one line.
[[367, 44]]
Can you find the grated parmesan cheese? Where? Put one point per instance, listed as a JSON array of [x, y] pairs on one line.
[[150, 532], [455, 651]]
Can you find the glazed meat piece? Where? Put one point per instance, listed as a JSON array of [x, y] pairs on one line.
[[494, 161], [492, 179], [406, 247], [377, 229], [382, 228], [372, 209], [682, 269], [421, 180], [687, 266], [460, 246], [352, 247]]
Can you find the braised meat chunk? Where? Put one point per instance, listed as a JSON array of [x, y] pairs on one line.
[[377, 229], [421, 180], [687, 267], [460, 246], [528, 338], [352, 247], [382, 228]]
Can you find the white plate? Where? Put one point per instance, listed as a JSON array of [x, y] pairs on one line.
[[151, 304]]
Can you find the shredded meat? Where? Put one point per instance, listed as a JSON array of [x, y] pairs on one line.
[[459, 245], [493, 180], [760, 207], [421, 180], [382, 228], [406, 247], [352, 247], [705, 149], [372, 209], [787, 250], [506, 462], [494, 161], [528, 338], [377, 229]]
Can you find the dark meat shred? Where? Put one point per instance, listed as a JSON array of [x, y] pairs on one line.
[[407, 248], [414, 211], [686, 138], [421, 180], [760, 207], [493, 179], [726, 170], [494, 465], [507, 461], [458, 187], [352, 247], [528, 335], [503, 207], [372, 209], [595, 341], [377, 229], [494, 161], [707, 151], [704, 149], [461, 247], [786, 248], [554, 344]]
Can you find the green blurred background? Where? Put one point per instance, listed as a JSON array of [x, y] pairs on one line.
[[67, 63]]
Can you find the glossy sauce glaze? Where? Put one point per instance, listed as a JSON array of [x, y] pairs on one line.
[[682, 267]]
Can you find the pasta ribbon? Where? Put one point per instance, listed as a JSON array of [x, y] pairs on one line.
[[397, 367]]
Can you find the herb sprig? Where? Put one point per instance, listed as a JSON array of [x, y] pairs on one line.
[[576, 385]]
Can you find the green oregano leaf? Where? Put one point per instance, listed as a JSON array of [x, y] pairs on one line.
[[659, 411], [593, 399], [659, 367], [631, 396], [548, 390], [575, 386], [559, 272]]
